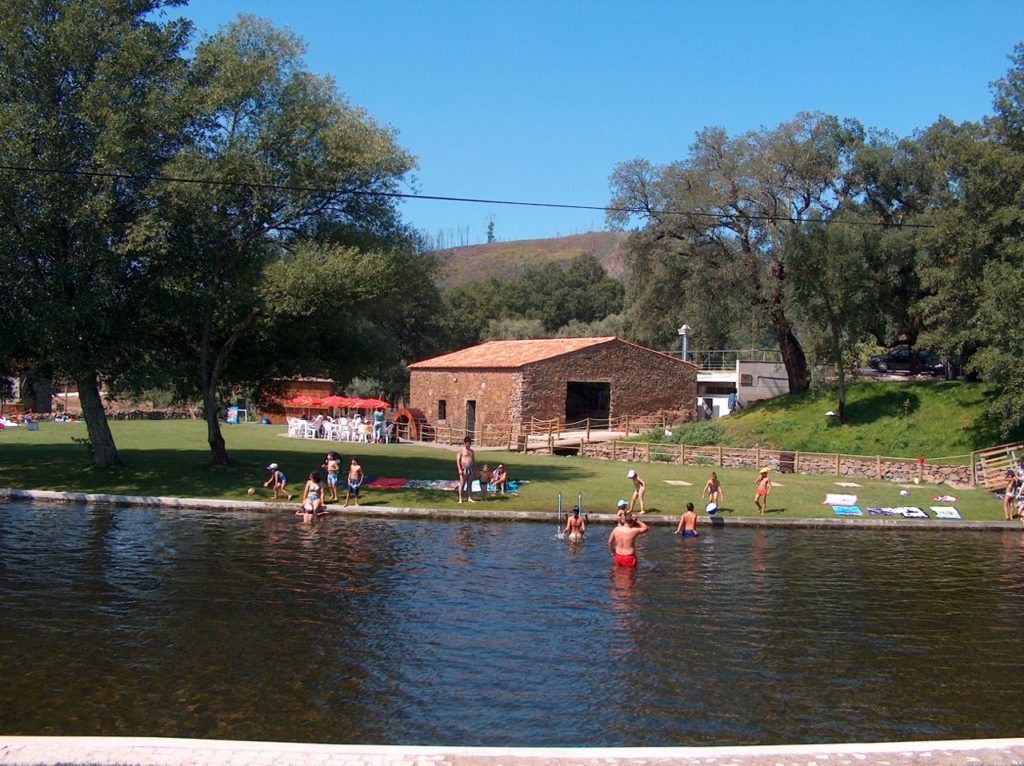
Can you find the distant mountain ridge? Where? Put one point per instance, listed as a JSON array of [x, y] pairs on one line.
[[507, 259]]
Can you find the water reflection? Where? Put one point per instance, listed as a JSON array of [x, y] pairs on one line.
[[238, 625]]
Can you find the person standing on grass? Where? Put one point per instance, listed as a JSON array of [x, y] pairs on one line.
[[639, 489], [762, 489], [279, 480], [688, 522], [622, 540], [353, 482], [333, 467], [465, 463], [713, 489]]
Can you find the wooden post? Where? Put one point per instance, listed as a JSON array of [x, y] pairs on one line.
[[588, 429], [878, 467], [613, 449], [627, 426], [796, 462], [758, 462], [974, 469], [837, 464], [683, 458], [719, 455], [648, 452]]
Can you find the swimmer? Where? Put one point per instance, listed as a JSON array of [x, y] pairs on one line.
[[621, 542], [575, 526], [688, 522], [713, 489]]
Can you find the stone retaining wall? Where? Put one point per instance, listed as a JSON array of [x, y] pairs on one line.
[[852, 466]]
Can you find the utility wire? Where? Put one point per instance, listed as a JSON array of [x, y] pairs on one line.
[[439, 198]]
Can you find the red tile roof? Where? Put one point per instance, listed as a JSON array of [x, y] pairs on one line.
[[509, 354]]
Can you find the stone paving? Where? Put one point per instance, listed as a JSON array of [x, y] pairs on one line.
[[111, 751]]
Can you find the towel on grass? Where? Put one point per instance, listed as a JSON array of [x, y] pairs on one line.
[[945, 512], [906, 511], [846, 510], [831, 499], [846, 484], [944, 499], [382, 482]]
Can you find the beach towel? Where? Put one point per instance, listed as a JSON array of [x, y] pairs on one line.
[[846, 510], [846, 484], [944, 499], [945, 512], [906, 511], [382, 482], [831, 499]]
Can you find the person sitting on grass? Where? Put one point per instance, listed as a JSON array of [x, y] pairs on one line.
[[499, 480], [312, 498]]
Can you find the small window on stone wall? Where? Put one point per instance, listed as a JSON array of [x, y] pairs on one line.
[[746, 380], [442, 409]]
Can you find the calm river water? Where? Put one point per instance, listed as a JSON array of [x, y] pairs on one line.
[[250, 626]]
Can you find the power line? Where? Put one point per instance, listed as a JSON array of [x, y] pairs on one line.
[[442, 198]]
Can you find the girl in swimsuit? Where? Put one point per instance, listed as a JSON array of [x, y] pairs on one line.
[[312, 498], [764, 486]]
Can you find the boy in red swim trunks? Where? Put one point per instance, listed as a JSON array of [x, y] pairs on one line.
[[621, 542]]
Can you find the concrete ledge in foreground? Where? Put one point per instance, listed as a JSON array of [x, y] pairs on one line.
[[152, 751]]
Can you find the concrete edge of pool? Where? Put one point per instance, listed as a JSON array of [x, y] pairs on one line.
[[8, 494], [154, 751]]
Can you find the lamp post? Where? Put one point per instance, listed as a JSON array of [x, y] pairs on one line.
[[684, 334]]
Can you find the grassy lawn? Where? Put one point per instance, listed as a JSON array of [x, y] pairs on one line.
[[170, 458], [934, 419]]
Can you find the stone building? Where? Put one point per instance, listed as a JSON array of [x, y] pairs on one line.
[[506, 383]]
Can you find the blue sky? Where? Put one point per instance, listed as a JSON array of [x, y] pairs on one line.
[[537, 101]]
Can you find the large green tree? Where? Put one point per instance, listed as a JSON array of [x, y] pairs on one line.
[[86, 116], [273, 150], [740, 194], [975, 253]]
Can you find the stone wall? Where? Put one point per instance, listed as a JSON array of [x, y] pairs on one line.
[[849, 466], [642, 381], [496, 393]]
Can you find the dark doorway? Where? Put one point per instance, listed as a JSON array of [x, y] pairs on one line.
[[471, 418], [588, 400]]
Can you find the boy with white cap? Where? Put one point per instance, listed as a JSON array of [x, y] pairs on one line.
[[279, 480], [639, 488]]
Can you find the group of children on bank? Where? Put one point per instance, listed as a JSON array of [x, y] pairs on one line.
[[621, 541], [314, 498]]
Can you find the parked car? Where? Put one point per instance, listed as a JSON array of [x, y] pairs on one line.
[[902, 359]]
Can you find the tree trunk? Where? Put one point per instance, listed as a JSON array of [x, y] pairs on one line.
[[214, 437], [792, 353], [104, 451], [840, 373]]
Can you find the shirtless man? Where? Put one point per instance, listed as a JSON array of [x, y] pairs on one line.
[[713, 489], [575, 526], [688, 522], [621, 540], [353, 482], [465, 464], [639, 488], [761, 491]]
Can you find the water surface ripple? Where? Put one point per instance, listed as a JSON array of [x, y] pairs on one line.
[[251, 626]]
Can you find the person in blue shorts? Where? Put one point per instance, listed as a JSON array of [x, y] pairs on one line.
[[333, 467], [688, 522], [279, 480], [353, 482]]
